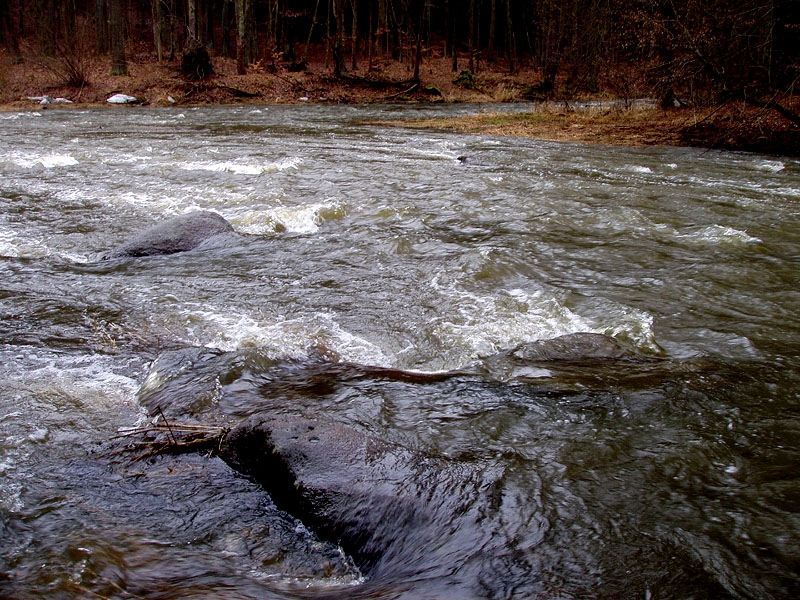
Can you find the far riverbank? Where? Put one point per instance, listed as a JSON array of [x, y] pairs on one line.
[[603, 118]]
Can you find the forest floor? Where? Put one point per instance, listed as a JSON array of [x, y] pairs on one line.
[[603, 118]]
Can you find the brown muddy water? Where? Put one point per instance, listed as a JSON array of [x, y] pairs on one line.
[[675, 474]]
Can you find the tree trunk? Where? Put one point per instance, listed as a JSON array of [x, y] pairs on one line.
[[338, 36], [451, 34], [228, 27], [8, 29], [511, 46], [418, 50], [159, 29], [117, 31], [354, 36], [67, 10], [471, 35], [47, 27], [310, 32], [549, 43], [370, 39], [383, 29], [207, 24], [191, 22], [246, 39], [492, 29]]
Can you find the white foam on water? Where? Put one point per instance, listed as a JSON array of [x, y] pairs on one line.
[[707, 342], [632, 325], [440, 150], [788, 191], [279, 337], [162, 206], [773, 166], [243, 168], [19, 115], [487, 324], [719, 234], [305, 218], [622, 219], [44, 393], [28, 160], [70, 376], [482, 325], [12, 246]]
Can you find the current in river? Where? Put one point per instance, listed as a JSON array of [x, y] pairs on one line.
[[395, 283]]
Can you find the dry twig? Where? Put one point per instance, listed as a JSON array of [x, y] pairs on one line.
[[168, 438]]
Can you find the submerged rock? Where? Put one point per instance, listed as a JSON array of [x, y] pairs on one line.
[[178, 234], [403, 506], [579, 355], [389, 507], [574, 347]]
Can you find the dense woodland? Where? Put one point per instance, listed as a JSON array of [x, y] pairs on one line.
[[689, 51]]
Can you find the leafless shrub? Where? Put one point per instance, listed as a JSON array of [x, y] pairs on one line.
[[70, 63]]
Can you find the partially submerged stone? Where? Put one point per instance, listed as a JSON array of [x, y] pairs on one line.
[[178, 234]]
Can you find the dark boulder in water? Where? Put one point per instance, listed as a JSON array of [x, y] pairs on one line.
[[388, 506], [308, 432], [348, 487], [179, 234]]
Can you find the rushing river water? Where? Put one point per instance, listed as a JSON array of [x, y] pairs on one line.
[[675, 475]]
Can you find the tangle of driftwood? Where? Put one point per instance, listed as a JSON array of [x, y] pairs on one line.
[[168, 438]]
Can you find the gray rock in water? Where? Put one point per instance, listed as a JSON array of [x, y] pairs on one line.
[[178, 234], [574, 347], [578, 353], [388, 506]]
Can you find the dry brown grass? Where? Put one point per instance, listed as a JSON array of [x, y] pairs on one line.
[[735, 126], [640, 125]]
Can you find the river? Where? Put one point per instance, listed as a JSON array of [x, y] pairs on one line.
[[675, 475]]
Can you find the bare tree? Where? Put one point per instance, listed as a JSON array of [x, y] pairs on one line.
[[119, 66], [160, 30], [246, 34], [511, 43], [337, 41], [101, 26], [8, 31]]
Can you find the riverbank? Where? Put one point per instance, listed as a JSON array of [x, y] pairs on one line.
[[603, 118], [734, 126]]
